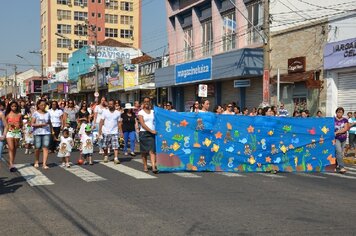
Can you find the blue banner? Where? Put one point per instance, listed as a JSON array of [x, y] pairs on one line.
[[193, 71], [211, 142]]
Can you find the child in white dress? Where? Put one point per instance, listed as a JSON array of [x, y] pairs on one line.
[[87, 146], [65, 147], [28, 136]]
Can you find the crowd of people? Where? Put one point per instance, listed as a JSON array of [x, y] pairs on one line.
[[62, 126]]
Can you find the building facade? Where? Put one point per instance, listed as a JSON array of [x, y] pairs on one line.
[[120, 20]]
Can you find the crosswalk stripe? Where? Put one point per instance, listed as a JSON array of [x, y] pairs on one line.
[[180, 174], [230, 174], [310, 175], [271, 175], [350, 168], [351, 173], [84, 174], [339, 175], [128, 171], [33, 176]]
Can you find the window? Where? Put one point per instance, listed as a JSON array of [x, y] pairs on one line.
[[229, 31], [126, 6], [126, 34], [113, 5], [80, 43], [63, 15], [207, 43], [80, 30], [99, 1], [111, 33], [99, 29], [83, 3], [63, 2], [99, 15], [64, 29], [93, 14], [63, 43], [255, 15], [188, 43], [113, 19], [63, 57], [126, 20], [93, 1], [78, 15]]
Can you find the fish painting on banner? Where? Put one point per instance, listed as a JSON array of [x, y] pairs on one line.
[[207, 141]]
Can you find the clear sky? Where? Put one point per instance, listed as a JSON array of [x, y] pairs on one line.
[[20, 31]]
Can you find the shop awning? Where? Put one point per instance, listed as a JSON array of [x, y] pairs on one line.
[[311, 78], [142, 87]]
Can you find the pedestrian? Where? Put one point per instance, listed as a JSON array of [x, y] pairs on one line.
[[305, 114], [3, 127], [56, 115], [25, 110], [229, 110], [98, 114], [65, 147], [129, 126], [267, 111], [109, 129], [259, 111], [169, 106], [118, 105], [296, 113], [283, 112], [70, 114], [28, 135], [13, 131], [147, 135], [205, 104], [219, 109], [274, 110], [237, 110], [196, 107], [41, 123], [352, 133], [319, 114], [137, 107], [341, 128], [253, 112], [83, 114], [245, 111], [86, 145]]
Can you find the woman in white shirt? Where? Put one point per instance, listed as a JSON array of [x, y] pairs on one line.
[[56, 116], [41, 123], [147, 135]]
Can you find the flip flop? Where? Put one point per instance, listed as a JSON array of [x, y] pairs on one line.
[[36, 165], [45, 167], [13, 169]]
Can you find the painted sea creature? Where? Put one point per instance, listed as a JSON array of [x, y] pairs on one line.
[[228, 126], [296, 161], [252, 160], [201, 161], [287, 128], [326, 151], [175, 146], [247, 150], [230, 149], [312, 144], [168, 126], [218, 135], [215, 148], [325, 130], [250, 129], [243, 141], [164, 146], [284, 149], [207, 142], [321, 140], [200, 125], [268, 159], [278, 160], [271, 132], [312, 131], [228, 136], [186, 141], [230, 164], [274, 149], [184, 123], [295, 140], [178, 137], [187, 151], [259, 155], [263, 144], [236, 133]]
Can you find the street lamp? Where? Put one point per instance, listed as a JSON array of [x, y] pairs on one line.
[[40, 53], [5, 82]]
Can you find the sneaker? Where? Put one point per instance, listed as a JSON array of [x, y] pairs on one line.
[[63, 164], [68, 165], [342, 170], [106, 159], [126, 154], [26, 151], [116, 161], [132, 154], [101, 151]]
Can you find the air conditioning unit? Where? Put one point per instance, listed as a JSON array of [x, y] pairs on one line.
[[69, 3], [82, 5], [59, 18], [107, 2], [131, 27], [132, 37], [69, 48]]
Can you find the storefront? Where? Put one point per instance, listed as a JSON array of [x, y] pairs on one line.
[[340, 66], [221, 73]]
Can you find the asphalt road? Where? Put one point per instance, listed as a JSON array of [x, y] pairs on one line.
[[127, 201]]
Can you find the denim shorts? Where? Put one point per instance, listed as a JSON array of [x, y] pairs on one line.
[[42, 141]]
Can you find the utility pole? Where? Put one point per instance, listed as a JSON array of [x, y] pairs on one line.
[[15, 94], [266, 53], [95, 32], [41, 54]]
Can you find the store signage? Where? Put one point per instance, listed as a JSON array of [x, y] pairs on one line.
[[296, 65], [147, 70], [114, 53], [340, 54], [193, 71], [242, 83]]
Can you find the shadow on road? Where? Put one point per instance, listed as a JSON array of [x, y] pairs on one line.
[[10, 185]]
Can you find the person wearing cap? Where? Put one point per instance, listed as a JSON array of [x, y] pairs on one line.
[[129, 126], [86, 145]]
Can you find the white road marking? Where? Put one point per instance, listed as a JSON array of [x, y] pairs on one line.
[[84, 174], [128, 171], [180, 174], [351, 172], [271, 175], [230, 174], [310, 175], [33, 176], [350, 168], [339, 175]]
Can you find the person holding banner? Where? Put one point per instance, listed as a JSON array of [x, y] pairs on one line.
[[341, 128], [205, 104], [147, 135]]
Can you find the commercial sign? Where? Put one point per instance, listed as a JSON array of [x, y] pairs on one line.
[[115, 77], [114, 53], [130, 76], [266, 94], [340, 54], [147, 71], [203, 90], [193, 71], [296, 65]]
